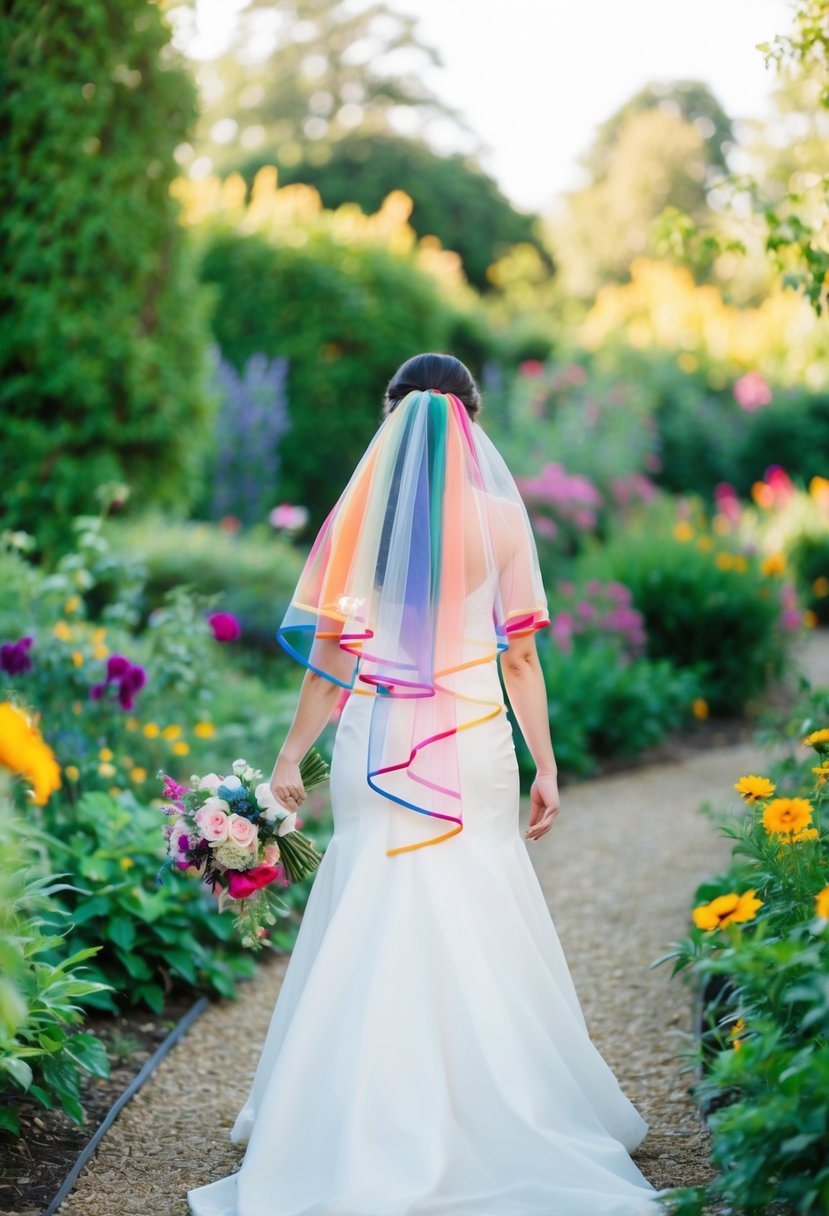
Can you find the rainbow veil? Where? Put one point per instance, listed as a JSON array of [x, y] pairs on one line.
[[430, 514]]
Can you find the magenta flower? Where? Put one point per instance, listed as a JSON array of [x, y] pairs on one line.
[[14, 657], [172, 789], [225, 626], [128, 677]]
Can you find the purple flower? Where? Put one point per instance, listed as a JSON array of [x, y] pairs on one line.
[[129, 677], [116, 666], [172, 789], [225, 626], [14, 657]]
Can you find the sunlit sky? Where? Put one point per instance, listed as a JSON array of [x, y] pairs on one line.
[[535, 77]]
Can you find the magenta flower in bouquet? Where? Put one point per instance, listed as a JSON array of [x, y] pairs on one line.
[[233, 834]]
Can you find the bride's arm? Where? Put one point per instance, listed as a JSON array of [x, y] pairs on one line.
[[524, 682], [317, 698]]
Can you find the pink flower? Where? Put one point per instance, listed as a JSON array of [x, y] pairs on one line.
[[751, 391], [212, 820], [272, 854], [289, 517], [532, 368], [242, 883], [225, 626], [241, 830]]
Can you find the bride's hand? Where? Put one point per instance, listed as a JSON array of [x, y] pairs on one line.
[[286, 783], [544, 805]]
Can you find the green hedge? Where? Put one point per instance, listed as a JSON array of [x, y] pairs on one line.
[[102, 346]]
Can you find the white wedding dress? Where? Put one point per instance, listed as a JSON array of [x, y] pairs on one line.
[[427, 1054]]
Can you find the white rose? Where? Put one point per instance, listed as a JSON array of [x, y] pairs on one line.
[[211, 781], [239, 767], [288, 824], [211, 805], [266, 799], [250, 774], [232, 783]]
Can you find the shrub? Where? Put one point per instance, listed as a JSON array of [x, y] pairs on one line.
[[602, 703], [706, 605], [760, 943], [102, 351], [40, 1001]]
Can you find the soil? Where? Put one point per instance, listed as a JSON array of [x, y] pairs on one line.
[[34, 1165]]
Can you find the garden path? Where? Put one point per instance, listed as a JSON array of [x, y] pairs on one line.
[[619, 869]]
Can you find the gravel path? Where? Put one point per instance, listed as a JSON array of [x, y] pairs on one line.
[[618, 869]]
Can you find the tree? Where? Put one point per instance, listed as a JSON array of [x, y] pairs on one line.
[[453, 198], [102, 347], [303, 73]]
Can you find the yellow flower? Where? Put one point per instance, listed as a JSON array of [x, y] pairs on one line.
[[699, 707], [809, 619], [774, 563], [72, 771], [721, 524], [106, 769], [131, 724], [99, 634], [683, 531], [822, 773], [62, 631], [816, 738], [171, 732], [126, 863], [23, 750], [820, 586], [822, 903], [181, 749], [100, 651], [151, 730], [819, 487], [114, 791], [105, 754], [753, 788], [204, 730], [740, 563], [806, 834], [705, 544], [72, 605], [735, 1032], [784, 816], [726, 909], [138, 774], [724, 560], [77, 658]]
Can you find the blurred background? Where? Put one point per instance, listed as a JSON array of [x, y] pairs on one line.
[[226, 224]]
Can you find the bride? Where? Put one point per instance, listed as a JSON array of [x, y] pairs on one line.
[[427, 1054]]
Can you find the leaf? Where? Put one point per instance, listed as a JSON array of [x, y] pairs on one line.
[[151, 994], [9, 1121], [89, 1053], [19, 1071], [121, 931]]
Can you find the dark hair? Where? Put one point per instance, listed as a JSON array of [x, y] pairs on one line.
[[444, 373]]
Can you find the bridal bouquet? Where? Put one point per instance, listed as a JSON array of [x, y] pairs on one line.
[[233, 834]]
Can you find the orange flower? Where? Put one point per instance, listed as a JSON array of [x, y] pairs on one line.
[[726, 909], [784, 816], [752, 788]]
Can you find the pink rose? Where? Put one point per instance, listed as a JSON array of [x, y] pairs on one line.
[[212, 820], [241, 830], [272, 854]]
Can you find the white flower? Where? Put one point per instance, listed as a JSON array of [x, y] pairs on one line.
[[232, 783], [250, 774], [271, 809], [215, 804], [288, 824], [239, 767], [211, 781]]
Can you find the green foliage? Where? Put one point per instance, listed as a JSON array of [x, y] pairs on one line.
[[632, 703], [791, 431], [809, 559], [152, 938], [763, 1059], [251, 573], [101, 352], [40, 1001], [705, 607], [453, 198], [345, 316]]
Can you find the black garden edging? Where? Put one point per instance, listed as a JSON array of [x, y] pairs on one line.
[[184, 1023]]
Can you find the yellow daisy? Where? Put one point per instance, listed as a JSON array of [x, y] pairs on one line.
[[816, 738], [752, 788], [784, 816], [726, 909], [822, 903], [23, 750]]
